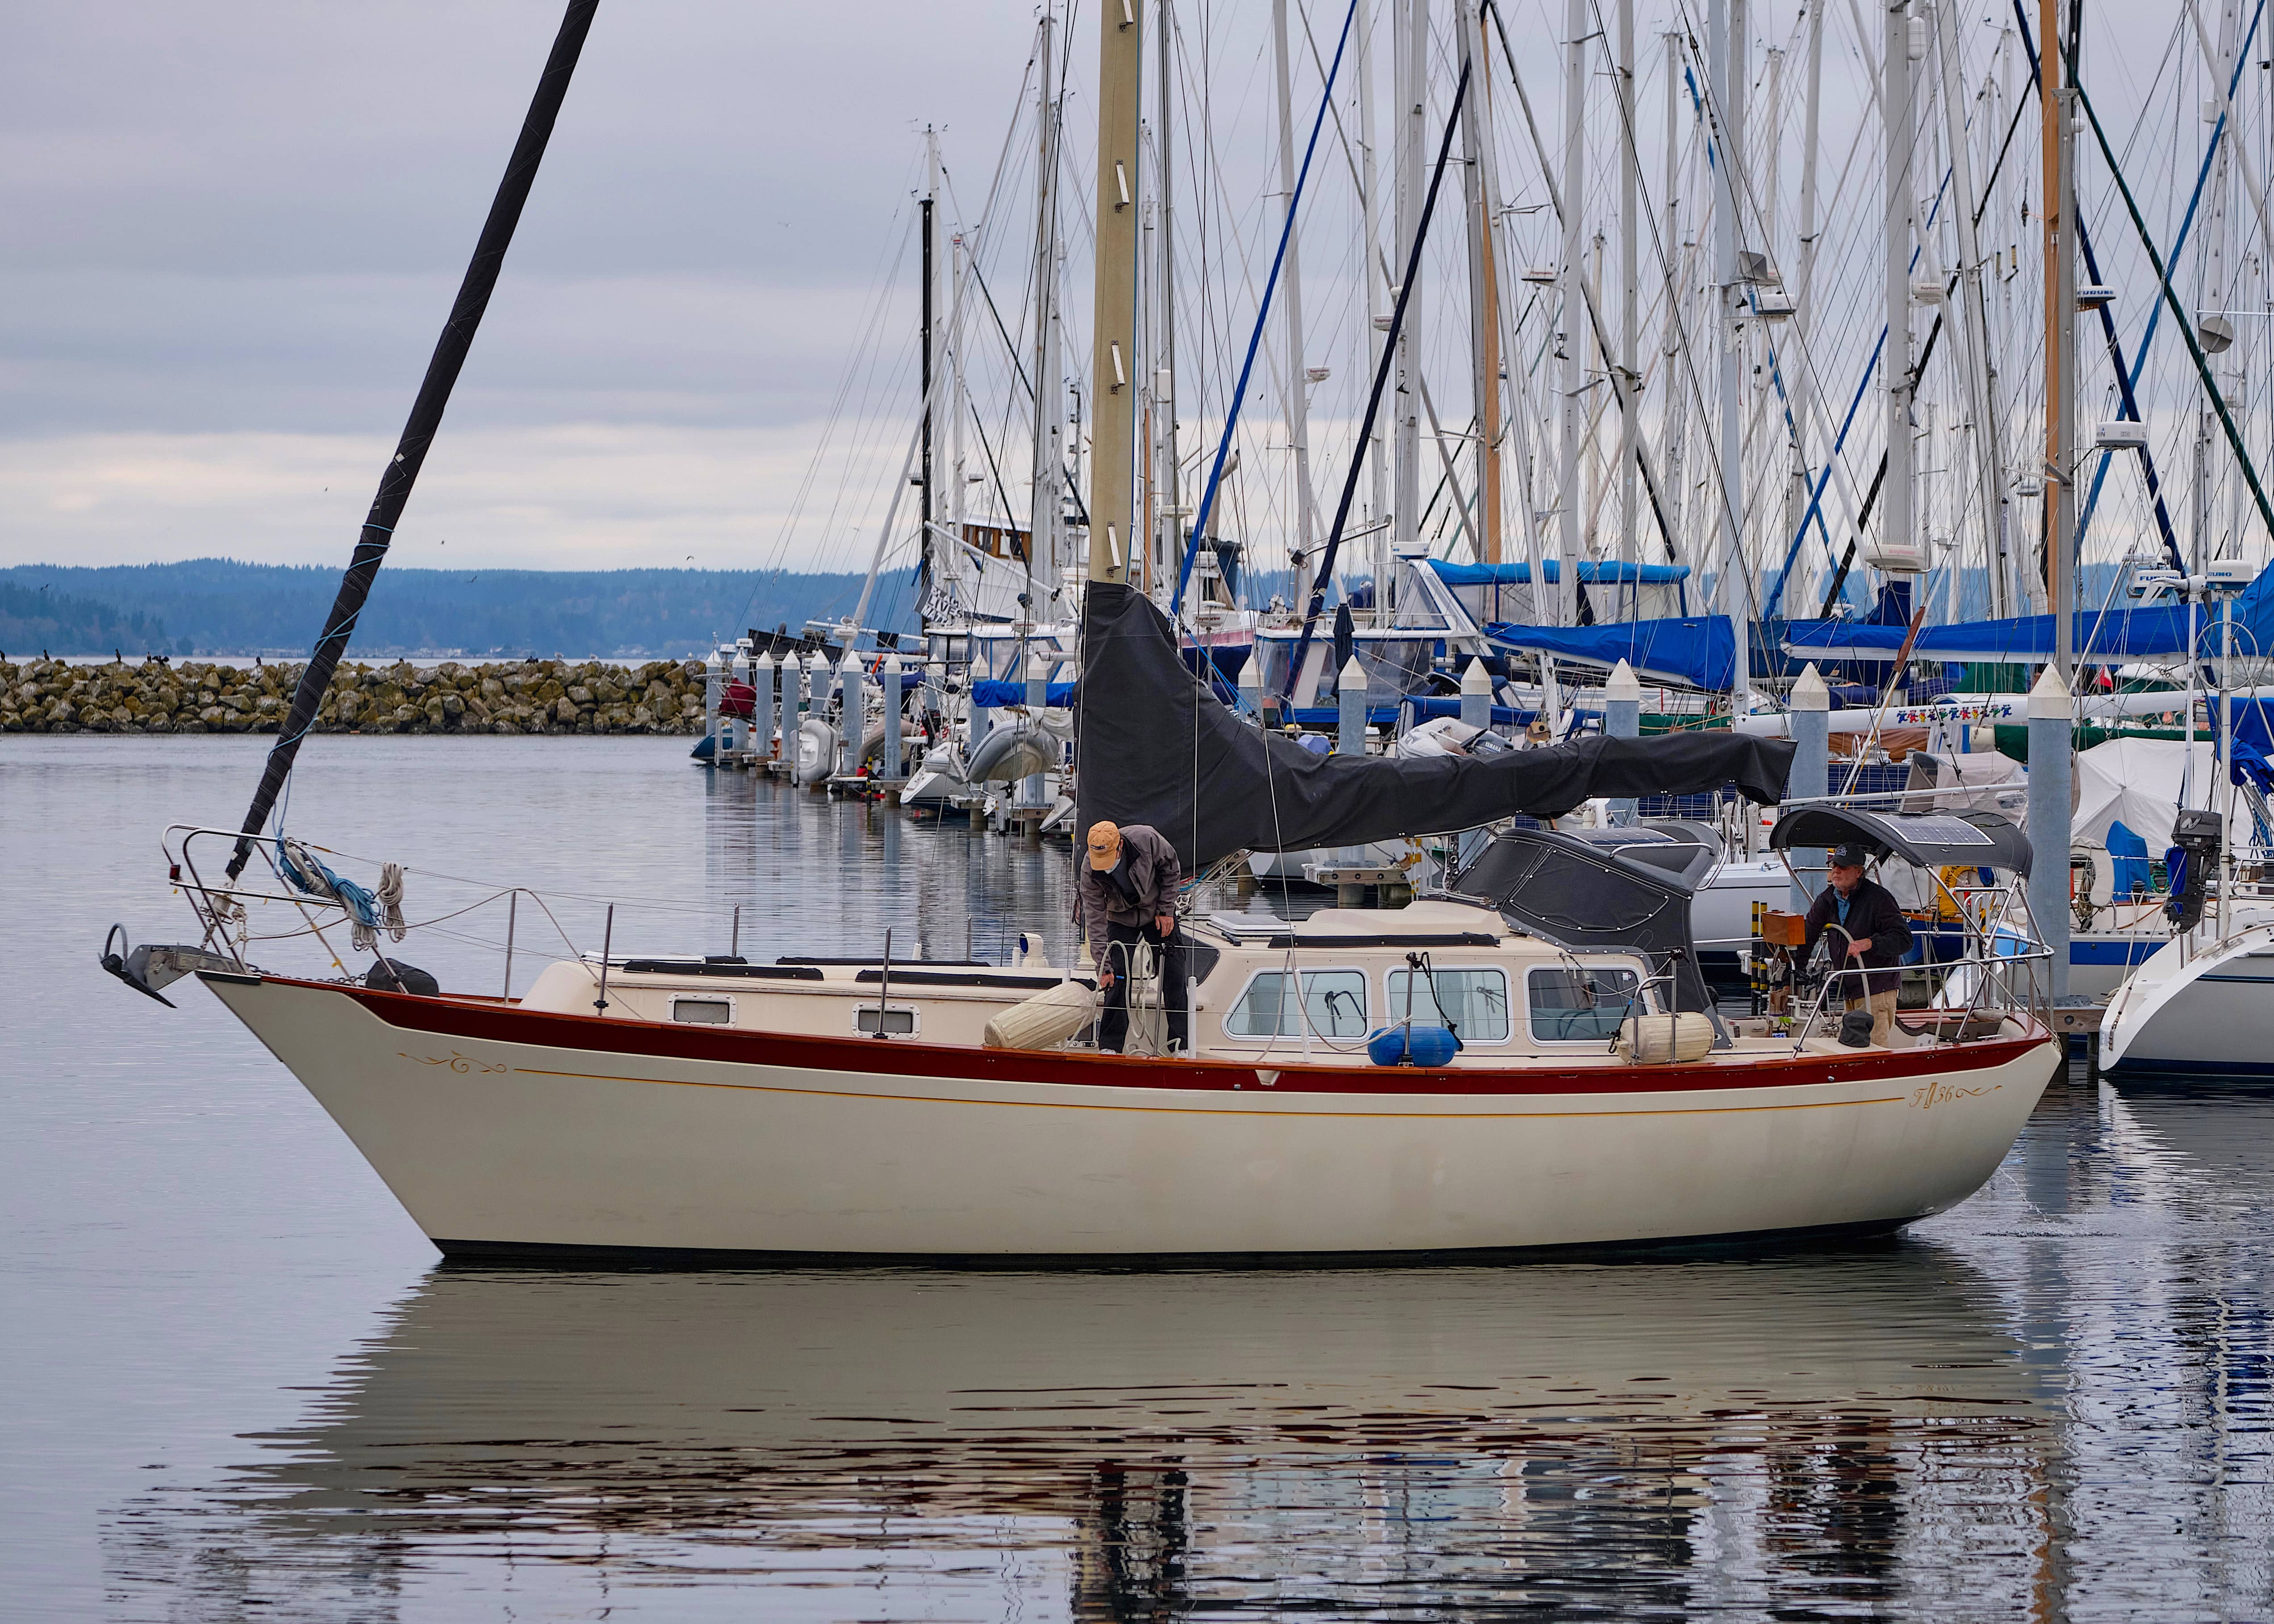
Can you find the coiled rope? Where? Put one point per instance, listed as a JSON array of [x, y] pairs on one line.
[[371, 912]]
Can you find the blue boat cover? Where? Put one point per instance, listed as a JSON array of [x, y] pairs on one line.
[[1429, 707], [1593, 572], [996, 692], [1701, 651], [2101, 637]]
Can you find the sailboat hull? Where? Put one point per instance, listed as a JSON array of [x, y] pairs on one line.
[[2193, 1012], [504, 1131]]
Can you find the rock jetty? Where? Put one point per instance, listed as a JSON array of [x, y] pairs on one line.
[[515, 697]]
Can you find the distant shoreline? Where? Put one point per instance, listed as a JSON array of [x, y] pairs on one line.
[[194, 608]]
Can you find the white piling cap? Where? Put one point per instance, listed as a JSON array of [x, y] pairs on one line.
[[1622, 686], [851, 662], [764, 662], [1476, 679], [817, 661], [1353, 675], [1251, 674], [1810, 693], [2051, 697], [892, 667]]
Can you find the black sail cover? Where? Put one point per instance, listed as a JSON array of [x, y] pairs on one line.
[[1156, 747]]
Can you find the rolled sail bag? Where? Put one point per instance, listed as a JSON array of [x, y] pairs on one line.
[[1664, 1039], [1428, 1046], [1045, 1020]]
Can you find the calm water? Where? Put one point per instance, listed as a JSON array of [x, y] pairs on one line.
[[238, 1384]]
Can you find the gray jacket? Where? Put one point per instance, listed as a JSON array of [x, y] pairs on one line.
[[1148, 867]]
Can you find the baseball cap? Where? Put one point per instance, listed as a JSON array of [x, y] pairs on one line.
[[1104, 844]]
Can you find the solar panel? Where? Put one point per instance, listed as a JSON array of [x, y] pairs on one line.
[[1936, 829]]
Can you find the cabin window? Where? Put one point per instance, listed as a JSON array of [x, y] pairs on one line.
[[1333, 1000], [1579, 1003], [703, 1011], [1473, 1002], [899, 1020]]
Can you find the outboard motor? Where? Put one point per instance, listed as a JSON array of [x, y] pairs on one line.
[[2190, 863]]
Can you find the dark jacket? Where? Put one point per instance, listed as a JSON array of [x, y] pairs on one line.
[[1148, 868], [1871, 912]]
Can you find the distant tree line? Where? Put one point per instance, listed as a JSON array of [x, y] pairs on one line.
[[33, 619], [220, 606]]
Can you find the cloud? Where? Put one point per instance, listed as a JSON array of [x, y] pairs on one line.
[[565, 496]]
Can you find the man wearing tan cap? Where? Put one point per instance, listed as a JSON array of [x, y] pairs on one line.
[[1871, 936], [1128, 892]]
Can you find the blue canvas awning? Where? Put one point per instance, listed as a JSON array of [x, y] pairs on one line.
[[2160, 633], [1701, 651], [2102, 637]]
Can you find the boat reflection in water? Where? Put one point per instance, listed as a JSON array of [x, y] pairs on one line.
[[1838, 1433]]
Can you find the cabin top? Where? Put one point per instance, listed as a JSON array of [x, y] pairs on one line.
[[1417, 924]]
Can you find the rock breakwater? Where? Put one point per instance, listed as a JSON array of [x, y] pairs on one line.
[[513, 697]]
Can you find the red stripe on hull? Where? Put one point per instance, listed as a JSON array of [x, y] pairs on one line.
[[896, 1058]]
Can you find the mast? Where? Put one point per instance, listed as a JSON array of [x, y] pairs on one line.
[[1981, 372], [1629, 281], [1896, 519], [1571, 337], [928, 510], [1726, 70], [1299, 412], [426, 409], [956, 407], [1484, 308], [1377, 306], [2217, 280], [2058, 125], [1167, 479], [1050, 450], [1113, 397], [1484, 298], [1411, 70], [1804, 285], [1516, 416], [1672, 344]]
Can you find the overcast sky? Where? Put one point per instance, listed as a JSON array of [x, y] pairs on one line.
[[233, 231]]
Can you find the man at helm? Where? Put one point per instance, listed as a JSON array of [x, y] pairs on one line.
[[1128, 892], [1868, 932]]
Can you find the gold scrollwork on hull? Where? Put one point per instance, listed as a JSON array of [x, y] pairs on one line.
[[464, 1064]]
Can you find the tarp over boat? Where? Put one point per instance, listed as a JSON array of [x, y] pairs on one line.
[[1701, 650], [2100, 636], [2119, 635], [1156, 747]]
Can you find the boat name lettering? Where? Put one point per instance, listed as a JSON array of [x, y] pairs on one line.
[[1936, 1093]]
